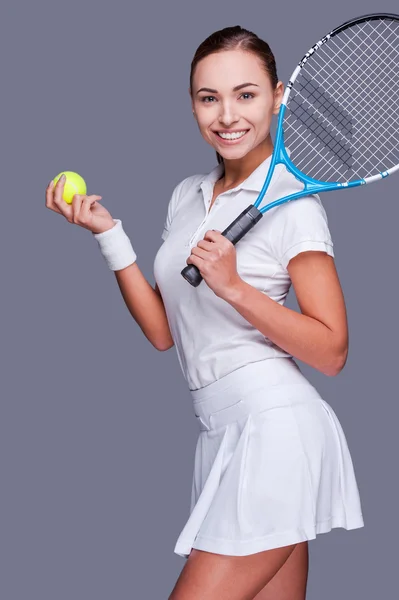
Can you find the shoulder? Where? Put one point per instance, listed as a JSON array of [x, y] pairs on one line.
[[304, 208], [299, 219], [179, 192], [188, 182], [298, 224], [185, 185]]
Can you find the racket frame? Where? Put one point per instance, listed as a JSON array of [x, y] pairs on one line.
[[280, 154], [252, 214]]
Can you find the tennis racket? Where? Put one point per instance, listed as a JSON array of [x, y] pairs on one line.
[[339, 117]]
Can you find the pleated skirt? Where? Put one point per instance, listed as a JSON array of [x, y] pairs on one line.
[[272, 465]]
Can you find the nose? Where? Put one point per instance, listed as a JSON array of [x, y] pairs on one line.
[[227, 115]]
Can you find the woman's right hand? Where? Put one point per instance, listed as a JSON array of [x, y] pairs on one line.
[[84, 211]]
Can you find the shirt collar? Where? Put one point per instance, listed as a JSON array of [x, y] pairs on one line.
[[254, 182]]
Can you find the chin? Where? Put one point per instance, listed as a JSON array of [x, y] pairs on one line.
[[234, 155]]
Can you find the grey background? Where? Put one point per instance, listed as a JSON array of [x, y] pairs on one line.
[[97, 431]]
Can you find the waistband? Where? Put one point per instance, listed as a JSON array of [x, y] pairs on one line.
[[250, 389]]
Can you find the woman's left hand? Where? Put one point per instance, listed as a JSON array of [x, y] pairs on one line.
[[215, 257]]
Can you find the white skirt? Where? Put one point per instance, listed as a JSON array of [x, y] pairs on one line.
[[272, 465]]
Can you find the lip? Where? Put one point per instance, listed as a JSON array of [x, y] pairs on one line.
[[230, 130], [230, 142]]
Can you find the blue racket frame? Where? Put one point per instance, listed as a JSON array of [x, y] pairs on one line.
[[251, 215], [311, 186]]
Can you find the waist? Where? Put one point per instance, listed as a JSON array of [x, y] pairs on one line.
[[252, 388]]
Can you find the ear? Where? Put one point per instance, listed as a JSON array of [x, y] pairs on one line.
[[278, 97], [192, 104]]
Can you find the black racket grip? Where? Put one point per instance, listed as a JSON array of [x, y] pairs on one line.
[[234, 232]]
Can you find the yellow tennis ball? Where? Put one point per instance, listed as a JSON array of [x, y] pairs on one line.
[[74, 184]]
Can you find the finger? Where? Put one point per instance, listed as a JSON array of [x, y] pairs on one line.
[[86, 206], [79, 204], [214, 251], [50, 198], [212, 235], [64, 207], [76, 204], [199, 251], [195, 260], [205, 244], [217, 237]]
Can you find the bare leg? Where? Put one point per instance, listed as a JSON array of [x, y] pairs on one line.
[[289, 583], [222, 577]]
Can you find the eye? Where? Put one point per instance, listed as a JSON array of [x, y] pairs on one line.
[[204, 98]]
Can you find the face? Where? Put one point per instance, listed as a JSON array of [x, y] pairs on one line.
[[220, 107]]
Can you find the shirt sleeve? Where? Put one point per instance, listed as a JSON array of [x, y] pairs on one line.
[[298, 226], [172, 208]]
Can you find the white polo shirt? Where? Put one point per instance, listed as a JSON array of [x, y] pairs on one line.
[[211, 337]]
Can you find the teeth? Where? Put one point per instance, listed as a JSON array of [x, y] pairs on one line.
[[232, 136]]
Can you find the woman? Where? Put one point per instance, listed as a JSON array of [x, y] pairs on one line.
[[272, 466]]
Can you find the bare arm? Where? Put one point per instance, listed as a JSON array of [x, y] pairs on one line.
[[145, 305], [319, 334]]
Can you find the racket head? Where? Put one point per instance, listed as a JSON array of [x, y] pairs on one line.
[[340, 113]]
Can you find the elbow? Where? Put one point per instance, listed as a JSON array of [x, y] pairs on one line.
[[164, 345], [337, 363], [164, 348]]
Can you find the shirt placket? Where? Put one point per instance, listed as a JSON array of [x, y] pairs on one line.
[[208, 213]]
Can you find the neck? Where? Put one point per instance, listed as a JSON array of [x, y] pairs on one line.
[[238, 170]]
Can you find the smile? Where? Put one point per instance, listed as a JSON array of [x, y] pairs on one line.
[[231, 138]]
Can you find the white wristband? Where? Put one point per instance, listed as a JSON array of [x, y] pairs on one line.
[[116, 247]]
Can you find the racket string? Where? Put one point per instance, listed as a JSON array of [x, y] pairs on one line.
[[360, 93], [362, 82], [341, 120], [340, 62], [318, 126]]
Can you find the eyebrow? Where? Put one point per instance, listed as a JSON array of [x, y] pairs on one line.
[[235, 89]]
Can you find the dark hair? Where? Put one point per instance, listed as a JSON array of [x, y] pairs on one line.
[[236, 38]]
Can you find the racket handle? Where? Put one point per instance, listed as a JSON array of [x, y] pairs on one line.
[[234, 232]]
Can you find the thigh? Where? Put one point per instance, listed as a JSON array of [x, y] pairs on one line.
[[289, 583], [224, 577]]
